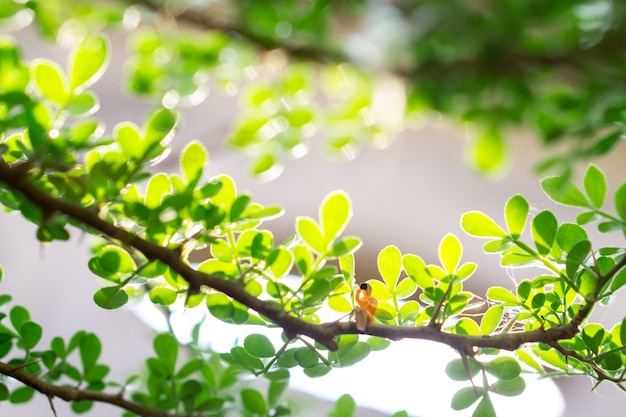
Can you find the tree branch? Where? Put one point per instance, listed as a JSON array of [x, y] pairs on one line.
[[68, 393], [323, 333]]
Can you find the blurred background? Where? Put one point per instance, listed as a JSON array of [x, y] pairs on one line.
[[410, 194]]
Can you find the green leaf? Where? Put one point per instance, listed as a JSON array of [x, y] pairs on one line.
[[465, 397], [484, 408], [620, 201], [544, 227], [129, 138], [593, 334], [515, 214], [193, 158], [488, 153], [306, 357], [159, 126], [110, 298], [31, 334], [259, 346], [50, 81], [400, 414], [158, 187], [345, 246], [354, 355], [479, 224], [166, 347], [467, 326], [509, 387], [311, 234], [450, 251], [405, 288], [577, 256], [344, 407], [568, 235], [595, 185], [415, 268], [4, 392], [18, 316], [89, 349], [390, 265], [220, 306], [335, 213], [83, 104], [563, 191], [253, 401], [21, 395], [491, 319], [163, 295], [317, 370], [87, 62], [503, 295], [457, 372], [504, 367]]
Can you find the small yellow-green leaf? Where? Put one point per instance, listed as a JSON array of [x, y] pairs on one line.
[[162, 295], [595, 185], [87, 62], [563, 191], [488, 153], [390, 265], [450, 251], [310, 233], [516, 212], [491, 319], [335, 213], [50, 81], [193, 158], [479, 224], [158, 187], [544, 227]]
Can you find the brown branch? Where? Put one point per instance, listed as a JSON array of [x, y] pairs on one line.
[[323, 333], [68, 393]]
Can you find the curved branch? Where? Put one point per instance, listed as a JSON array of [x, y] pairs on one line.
[[68, 393], [324, 333]]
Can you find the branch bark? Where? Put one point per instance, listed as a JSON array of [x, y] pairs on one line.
[[68, 393], [325, 333]]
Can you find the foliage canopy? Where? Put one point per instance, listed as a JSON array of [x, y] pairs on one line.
[[554, 66]]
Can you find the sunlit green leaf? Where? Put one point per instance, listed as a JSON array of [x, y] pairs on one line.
[[163, 295], [488, 153], [311, 234], [87, 62], [564, 191], [390, 265], [450, 251], [110, 297], [479, 224], [491, 319], [193, 158], [50, 81], [515, 213], [335, 213], [544, 227], [595, 185]]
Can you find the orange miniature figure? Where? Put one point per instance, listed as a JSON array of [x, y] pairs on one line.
[[367, 306]]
